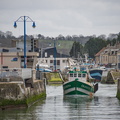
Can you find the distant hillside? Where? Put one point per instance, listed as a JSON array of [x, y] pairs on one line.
[[63, 43], [63, 46]]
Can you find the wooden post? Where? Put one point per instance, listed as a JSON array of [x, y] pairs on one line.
[[118, 89], [118, 86]]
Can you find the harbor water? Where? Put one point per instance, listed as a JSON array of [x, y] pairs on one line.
[[104, 106]]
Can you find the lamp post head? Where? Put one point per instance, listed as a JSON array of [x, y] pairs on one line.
[[15, 25], [33, 25]]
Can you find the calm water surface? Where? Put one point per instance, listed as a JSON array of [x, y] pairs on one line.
[[104, 106]]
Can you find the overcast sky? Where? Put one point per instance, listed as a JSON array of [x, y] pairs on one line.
[[66, 17]]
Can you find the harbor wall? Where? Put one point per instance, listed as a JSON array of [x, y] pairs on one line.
[[19, 94], [118, 89]]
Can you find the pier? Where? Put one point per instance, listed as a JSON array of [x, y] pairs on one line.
[[20, 88]]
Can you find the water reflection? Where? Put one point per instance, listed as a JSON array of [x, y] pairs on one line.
[[78, 106], [77, 101], [103, 106], [98, 108]]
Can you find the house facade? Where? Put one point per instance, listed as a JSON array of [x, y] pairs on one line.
[[12, 58], [118, 59], [98, 56], [108, 56]]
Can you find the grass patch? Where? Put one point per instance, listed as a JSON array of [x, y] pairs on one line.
[[55, 80], [55, 77]]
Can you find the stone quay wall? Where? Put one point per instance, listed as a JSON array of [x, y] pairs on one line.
[[17, 94]]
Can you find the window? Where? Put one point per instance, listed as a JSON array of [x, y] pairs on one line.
[[51, 67], [79, 75], [112, 52], [58, 62], [4, 66], [75, 74], [83, 75], [45, 54], [29, 57], [63, 61], [51, 61], [22, 60], [71, 75]]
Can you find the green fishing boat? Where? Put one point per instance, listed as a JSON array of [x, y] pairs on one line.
[[78, 84]]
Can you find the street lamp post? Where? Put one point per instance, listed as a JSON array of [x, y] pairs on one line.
[[54, 55], [24, 19]]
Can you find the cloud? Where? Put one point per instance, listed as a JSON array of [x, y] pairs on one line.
[[54, 17]]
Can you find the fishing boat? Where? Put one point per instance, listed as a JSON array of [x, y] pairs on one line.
[[43, 67], [78, 83]]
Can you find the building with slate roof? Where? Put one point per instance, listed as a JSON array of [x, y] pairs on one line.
[[109, 56]]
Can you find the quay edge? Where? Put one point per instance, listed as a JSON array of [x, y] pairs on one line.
[[17, 95]]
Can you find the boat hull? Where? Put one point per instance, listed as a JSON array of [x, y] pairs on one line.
[[77, 87]]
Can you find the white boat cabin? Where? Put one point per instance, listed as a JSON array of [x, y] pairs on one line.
[[80, 75]]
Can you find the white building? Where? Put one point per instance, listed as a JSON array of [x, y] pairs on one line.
[[50, 55], [61, 63]]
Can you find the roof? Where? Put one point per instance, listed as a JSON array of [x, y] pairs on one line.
[[53, 51], [98, 54]]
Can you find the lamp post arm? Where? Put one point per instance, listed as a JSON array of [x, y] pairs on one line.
[[18, 20], [29, 19], [26, 18]]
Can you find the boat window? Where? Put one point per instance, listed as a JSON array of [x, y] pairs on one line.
[[71, 75], [83, 75], [75, 75], [79, 75]]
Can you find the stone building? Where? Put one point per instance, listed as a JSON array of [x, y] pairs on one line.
[[108, 56]]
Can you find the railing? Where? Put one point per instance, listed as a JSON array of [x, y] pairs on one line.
[[23, 73]]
